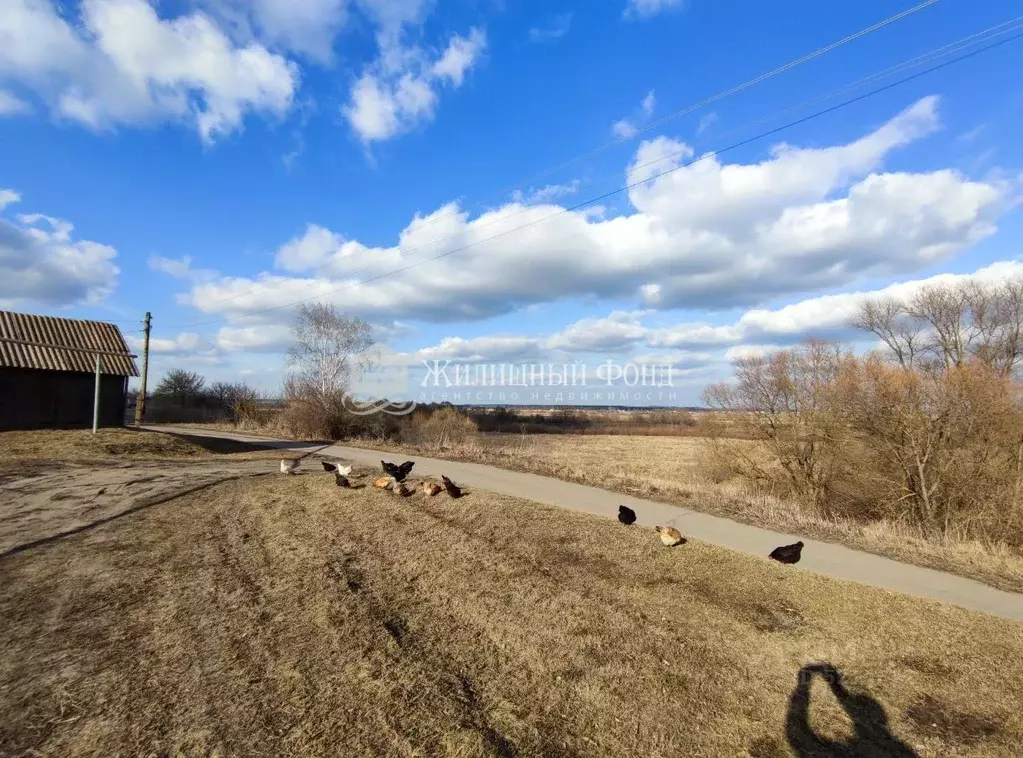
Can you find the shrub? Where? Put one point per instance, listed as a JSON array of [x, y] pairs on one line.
[[442, 429]]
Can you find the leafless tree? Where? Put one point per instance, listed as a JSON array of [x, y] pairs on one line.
[[946, 325], [329, 348], [180, 387], [786, 401]]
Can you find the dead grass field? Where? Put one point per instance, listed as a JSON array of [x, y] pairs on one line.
[[282, 616], [676, 470]]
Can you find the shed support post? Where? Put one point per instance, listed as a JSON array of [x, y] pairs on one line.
[[95, 400]]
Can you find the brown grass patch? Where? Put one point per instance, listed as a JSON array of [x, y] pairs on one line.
[[79, 445], [678, 470], [286, 616]]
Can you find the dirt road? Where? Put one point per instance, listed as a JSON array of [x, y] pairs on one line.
[[825, 558]]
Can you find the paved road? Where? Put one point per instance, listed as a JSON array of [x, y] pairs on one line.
[[822, 557]]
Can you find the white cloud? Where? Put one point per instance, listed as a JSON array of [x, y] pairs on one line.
[[556, 29], [11, 105], [460, 56], [706, 121], [710, 235], [619, 331], [123, 64], [648, 8], [7, 197], [306, 27], [269, 338], [181, 268], [545, 194], [624, 129], [184, 344], [647, 106], [627, 128], [399, 90], [40, 262]]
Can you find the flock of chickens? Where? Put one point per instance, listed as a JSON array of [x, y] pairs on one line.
[[671, 536], [394, 480]]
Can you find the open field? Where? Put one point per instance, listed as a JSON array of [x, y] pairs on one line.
[[284, 616], [675, 470]]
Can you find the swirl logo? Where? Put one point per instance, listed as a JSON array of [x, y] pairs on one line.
[[368, 407]]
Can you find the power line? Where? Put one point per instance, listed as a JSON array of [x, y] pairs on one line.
[[570, 209], [660, 122]]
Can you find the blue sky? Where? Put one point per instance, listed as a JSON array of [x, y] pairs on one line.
[[209, 159]]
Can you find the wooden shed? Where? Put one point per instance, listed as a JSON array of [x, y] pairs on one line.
[[48, 372]]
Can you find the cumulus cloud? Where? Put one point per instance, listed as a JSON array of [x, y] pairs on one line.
[[119, 63], [400, 90], [41, 263], [11, 105], [181, 268], [184, 344], [761, 329], [545, 194], [648, 8], [709, 235], [305, 27], [627, 128], [706, 122], [556, 29]]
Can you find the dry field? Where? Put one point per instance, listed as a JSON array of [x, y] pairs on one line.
[[676, 470], [282, 616]]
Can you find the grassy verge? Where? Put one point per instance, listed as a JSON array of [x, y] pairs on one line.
[[672, 470], [80, 445], [283, 616]]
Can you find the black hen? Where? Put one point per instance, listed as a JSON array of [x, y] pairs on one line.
[[451, 487], [626, 515], [341, 480], [398, 472], [787, 553]]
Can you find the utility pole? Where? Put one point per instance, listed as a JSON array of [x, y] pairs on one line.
[[140, 404]]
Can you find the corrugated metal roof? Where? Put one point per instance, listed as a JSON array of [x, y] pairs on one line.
[[63, 332]]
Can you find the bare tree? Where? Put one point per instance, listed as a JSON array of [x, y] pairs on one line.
[[181, 387], [329, 348], [786, 400], [947, 325], [891, 322]]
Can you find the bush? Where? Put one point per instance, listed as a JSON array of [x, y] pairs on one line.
[[936, 446], [440, 430]]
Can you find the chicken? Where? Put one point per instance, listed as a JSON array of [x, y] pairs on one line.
[[670, 536], [398, 472], [384, 482], [401, 489], [341, 480], [450, 486], [289, 467], [336, 467], [787, 553], [626, 515], [431, 488]]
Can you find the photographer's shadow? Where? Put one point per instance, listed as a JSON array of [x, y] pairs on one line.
[[871, 737]]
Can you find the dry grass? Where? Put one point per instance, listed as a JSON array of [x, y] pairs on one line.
[[283, 616], [677, 470], [120, 444]]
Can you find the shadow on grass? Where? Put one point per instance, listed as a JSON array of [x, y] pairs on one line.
[[222, 446], [872, 735]]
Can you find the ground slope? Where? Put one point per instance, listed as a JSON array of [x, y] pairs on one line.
[[283, 616]]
